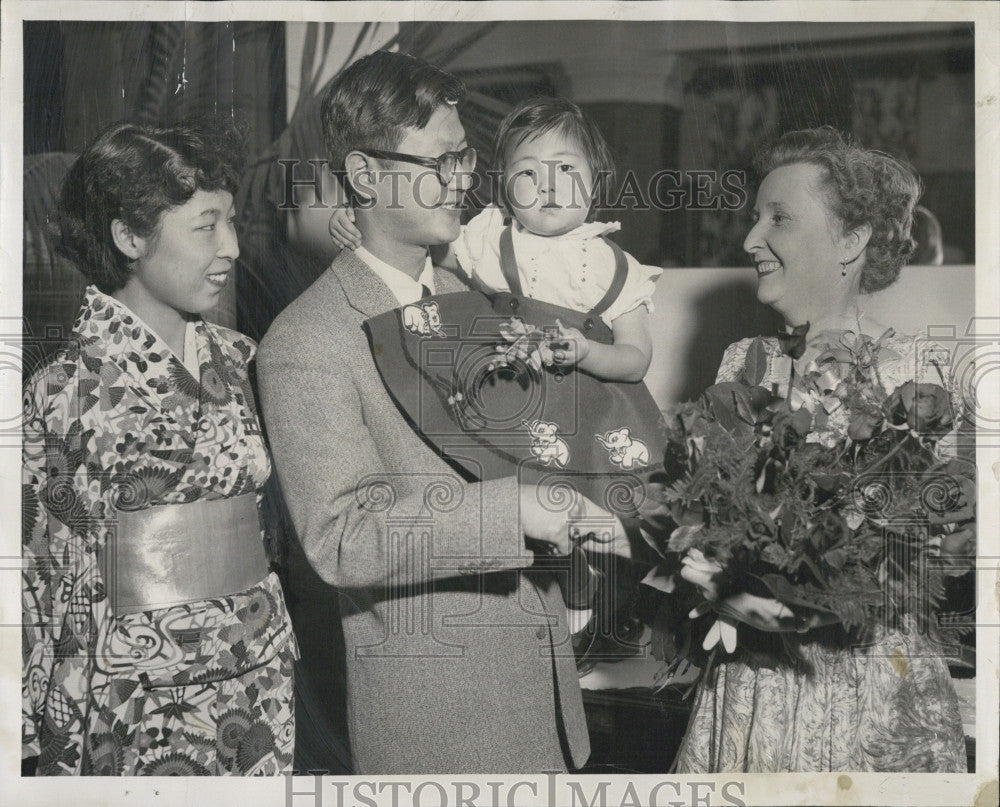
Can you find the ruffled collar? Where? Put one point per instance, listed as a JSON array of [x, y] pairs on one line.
[[585, 232]]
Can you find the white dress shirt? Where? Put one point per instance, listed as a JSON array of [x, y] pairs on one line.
[[404, 288]]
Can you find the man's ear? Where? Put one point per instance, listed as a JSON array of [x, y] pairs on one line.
[[359, 174], [128, 243], [856, 241]]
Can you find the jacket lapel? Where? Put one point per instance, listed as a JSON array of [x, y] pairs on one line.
[[364, 290], [446, 281]]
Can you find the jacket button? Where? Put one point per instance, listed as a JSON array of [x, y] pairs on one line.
[[514, 303], [540, 633], [588, 324]]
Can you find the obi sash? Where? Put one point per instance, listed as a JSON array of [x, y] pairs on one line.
[[175, 553]]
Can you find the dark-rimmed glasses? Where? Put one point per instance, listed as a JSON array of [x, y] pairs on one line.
[[444, 166]]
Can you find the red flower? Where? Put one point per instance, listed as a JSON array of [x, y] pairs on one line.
[[925, 408], [864, 425]]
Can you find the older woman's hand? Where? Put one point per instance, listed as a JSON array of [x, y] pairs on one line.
[[762, 613], [702, 572]]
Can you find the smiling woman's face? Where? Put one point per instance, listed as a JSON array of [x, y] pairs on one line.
[[186, 264], [796, 242]]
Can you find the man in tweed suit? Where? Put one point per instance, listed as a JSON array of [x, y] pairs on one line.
[[457, 652]]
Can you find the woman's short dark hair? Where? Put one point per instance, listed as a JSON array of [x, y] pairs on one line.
[[538, 116], [372, 102], [863, 186], [134, 173]]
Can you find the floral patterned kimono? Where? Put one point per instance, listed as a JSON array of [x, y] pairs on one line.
[[116, 420], [888, 706]]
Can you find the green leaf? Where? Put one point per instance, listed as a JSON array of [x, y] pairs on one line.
[[662, 643], [755, 365], [802, 421], [660, 578], [836, 558]]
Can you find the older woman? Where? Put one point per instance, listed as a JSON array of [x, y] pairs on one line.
[[832, 226], [156, 637]]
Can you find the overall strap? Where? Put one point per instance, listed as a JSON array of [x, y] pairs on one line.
[[617, 282], [508, 263]]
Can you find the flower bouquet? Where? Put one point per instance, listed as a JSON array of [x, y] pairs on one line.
[[828, 494]]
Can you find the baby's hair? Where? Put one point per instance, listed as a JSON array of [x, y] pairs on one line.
[[539, 116]]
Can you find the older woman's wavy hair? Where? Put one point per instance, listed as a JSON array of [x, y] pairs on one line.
[[863, 186], [135, 173]]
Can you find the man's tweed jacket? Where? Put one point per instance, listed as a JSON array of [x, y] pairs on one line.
[[458, 660]]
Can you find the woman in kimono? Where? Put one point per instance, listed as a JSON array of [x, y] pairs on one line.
[[156, 639]]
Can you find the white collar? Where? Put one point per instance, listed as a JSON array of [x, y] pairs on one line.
[[404, 288], [585, 231]]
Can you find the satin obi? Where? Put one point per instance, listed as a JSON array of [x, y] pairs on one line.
[[176, 553]]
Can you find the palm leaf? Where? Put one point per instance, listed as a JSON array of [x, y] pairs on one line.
[[43, 177], [166, 41], [262, 186], [451, 51]]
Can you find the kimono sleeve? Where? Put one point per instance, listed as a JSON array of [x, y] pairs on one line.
[[36, 582]]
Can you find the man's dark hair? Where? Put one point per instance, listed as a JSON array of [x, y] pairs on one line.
[[372, 102]]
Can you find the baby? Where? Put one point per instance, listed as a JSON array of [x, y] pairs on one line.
[[554, 167]]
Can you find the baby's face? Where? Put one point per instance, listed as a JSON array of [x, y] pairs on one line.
[[549, 184]]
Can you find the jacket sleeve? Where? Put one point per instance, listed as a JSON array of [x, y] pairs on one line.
[[360, 524], [36, 583]]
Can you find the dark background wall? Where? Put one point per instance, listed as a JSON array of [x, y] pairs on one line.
[[685, 95]]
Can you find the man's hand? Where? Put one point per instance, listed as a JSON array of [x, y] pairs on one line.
[[571, 519]]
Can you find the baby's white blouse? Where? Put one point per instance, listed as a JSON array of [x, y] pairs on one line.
[[573, 270]]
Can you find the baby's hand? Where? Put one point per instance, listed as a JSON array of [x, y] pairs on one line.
[[571, 348], [342, 229]]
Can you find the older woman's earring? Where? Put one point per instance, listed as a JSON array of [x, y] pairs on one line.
[[843, 268]]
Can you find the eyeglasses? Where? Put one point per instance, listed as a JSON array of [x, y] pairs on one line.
[[444, 166]]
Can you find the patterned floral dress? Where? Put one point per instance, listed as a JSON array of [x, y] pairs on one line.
[[204, 688], [887, 706]]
